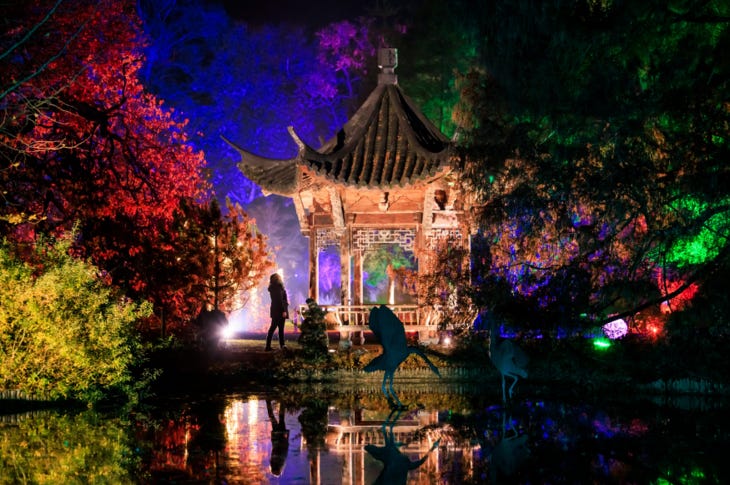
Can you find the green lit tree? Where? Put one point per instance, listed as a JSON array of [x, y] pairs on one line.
[[596, 137], [441, 39]]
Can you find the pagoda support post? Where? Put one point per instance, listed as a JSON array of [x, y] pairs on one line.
[[313, 266], [357, 277], [428, 204]]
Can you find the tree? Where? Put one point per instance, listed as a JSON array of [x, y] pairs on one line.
[[313, 337], [443, 285], [441, 39], [345, 51], [249, 83], [83, 142], [229, 254], [81, 138], [604, 190]]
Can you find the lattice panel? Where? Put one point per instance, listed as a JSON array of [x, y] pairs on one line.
[[437, 235], [328, 237], [364, 239]]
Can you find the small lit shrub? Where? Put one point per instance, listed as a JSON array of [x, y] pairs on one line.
[[313, 338]]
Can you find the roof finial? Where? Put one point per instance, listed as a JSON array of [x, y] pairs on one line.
[[387, 62]]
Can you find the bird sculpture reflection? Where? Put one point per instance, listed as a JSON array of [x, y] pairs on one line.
[[396, 464], [508, 358], [391, 334], [510, 453]]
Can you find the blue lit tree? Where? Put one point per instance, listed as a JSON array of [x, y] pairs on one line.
[[249, 84]]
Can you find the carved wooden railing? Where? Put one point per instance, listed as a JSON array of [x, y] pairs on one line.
[[354, 318]]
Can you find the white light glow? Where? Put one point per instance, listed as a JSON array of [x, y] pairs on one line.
[[253, 410], [616, 329], [228, 331]]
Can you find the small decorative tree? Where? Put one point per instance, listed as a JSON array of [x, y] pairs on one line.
[[313, 339]]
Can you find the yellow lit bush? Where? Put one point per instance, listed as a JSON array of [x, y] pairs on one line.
[[64, 334]]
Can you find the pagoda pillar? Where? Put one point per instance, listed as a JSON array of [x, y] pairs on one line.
[[313, 266], [357, 278]]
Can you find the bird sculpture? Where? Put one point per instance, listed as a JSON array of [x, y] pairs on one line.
[[391, 334], [396, 465], [508, 358]]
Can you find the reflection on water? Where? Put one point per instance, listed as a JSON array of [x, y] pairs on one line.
[[396, 463], [351, 437]]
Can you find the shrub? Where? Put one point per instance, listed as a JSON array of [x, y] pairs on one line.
[[64, 333], [313, 337]]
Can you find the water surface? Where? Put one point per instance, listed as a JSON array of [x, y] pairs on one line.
[[313, 434]]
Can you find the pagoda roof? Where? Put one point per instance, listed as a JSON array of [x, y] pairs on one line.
[[274, 176], [388, 142]]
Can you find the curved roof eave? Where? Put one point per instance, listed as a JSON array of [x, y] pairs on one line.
[[274, 176]]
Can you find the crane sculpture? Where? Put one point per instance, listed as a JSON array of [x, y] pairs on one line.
[[391, 334], [508, 358]]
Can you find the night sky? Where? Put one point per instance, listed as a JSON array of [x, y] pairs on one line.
[[310, 14]]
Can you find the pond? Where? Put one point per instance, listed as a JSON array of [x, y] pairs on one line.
[[312, 434]]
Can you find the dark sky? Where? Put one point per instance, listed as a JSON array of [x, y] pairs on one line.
[[314, 13]]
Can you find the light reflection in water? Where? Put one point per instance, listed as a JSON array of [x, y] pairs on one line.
[[248, 448], [253, 414], [249, 452], [449, 439]]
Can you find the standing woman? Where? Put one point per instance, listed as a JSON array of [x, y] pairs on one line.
[[279, 309]]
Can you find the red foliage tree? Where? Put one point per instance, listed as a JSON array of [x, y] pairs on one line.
[[222, 257], [83, 139], [81, 142]]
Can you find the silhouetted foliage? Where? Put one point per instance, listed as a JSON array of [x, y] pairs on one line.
[[596, 134]]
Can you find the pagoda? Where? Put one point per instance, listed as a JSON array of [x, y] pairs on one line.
[[386, 183]]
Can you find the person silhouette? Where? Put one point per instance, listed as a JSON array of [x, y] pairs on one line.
[[279, 310], [279, 439]]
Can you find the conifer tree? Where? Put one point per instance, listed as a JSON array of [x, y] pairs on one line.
[[313, 339]]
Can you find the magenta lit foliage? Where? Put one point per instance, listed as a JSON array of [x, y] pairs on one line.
[[346, 46]]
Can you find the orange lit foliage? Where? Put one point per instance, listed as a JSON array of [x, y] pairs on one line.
[[443, 283], [226, 255]]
